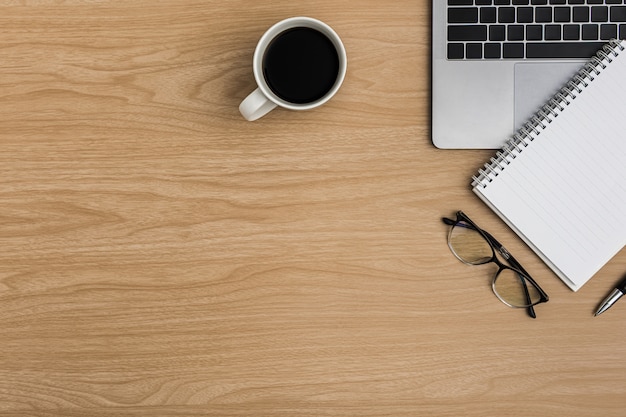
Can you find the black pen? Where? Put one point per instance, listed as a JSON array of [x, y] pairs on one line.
[[615, 295]]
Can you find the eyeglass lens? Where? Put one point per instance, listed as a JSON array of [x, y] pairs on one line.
[[515, 289], [468, 245]]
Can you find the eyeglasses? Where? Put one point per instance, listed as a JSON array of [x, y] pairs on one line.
[[474, 246]]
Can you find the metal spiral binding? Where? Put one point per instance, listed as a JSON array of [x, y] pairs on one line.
[[550, 111]]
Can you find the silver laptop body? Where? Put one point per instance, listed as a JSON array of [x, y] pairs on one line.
[[479, 102]]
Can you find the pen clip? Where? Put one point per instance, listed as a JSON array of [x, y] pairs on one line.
[[622, 285]]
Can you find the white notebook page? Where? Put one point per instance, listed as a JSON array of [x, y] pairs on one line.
[[565, 194]]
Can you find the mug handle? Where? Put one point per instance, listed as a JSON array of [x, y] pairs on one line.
[[256, 105]]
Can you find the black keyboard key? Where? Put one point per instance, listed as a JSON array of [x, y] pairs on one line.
[[488, 15], [483, 2], [608, 32], [467, 33], [456, 51], [521, 2], [571, 32], [525, 15], [463, 15], [562, 49], [581, 14], [460, 2], [579, 1], [562, 14], [618, 14], [543, 14], [497, 33], [590, 32], [538, 2], [474, 51], [596, 1], [492, 51], [502, 2], [557, 1], [534, 32], [553, 33], [515, 33], [613, 1], [506, 15], [513, 50], [599, 14], [622, 31]]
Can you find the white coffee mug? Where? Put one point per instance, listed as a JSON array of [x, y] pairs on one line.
[[266, 97]]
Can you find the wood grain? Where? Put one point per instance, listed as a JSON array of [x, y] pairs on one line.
[[162, 256]]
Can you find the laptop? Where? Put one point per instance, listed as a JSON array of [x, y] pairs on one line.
[[496, 62]]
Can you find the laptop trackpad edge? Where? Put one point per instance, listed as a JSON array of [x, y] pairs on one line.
[[536, 83]]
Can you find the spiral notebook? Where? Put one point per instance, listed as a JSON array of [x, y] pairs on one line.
[[560, 181]]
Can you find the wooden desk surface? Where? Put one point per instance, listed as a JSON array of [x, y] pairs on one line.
[[160, 256]]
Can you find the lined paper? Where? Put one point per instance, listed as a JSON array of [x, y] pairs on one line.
[[565, 194]]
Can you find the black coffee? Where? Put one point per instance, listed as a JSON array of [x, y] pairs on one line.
[[301, 65]]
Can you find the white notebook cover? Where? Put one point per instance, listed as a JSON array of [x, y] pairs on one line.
[[560, 182]]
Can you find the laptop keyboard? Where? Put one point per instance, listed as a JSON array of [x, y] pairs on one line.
[[527, 29]]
